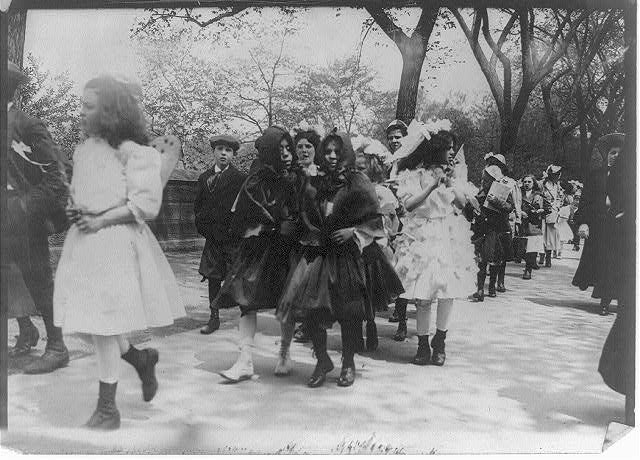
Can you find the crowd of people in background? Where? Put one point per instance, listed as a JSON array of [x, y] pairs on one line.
[[323, 230]]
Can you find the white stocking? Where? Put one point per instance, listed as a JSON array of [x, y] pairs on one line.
[[287, 329], [123, 344], [423, 316], [108, 353], [445, 306], [248, 326]]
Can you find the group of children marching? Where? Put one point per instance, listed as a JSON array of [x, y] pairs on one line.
[[310, 233]]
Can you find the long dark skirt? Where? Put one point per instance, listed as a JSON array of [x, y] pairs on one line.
[[600, 265], [590, 267], [616, 364], [257, 276], [325, 285], [382, 281]]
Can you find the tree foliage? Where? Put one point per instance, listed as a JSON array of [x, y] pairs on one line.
[[51, 98], [344, 95], [584, 95], [532, 56], [193, 89]]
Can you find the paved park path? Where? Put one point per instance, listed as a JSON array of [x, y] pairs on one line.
[[520, 377]]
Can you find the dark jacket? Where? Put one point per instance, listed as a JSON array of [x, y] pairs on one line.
[[212, 208], [36, 190], [534, 208]]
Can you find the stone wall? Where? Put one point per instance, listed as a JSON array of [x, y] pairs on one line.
[[174, 227]]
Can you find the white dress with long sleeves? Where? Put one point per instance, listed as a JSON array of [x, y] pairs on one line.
[[115, 280], [435, 258]]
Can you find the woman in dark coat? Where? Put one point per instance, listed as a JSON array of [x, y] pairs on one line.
[[263, 213], [617, 360], [593, 218], [339, 215]]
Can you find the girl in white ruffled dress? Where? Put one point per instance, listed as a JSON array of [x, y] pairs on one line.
[[435, 259], [112, 277]]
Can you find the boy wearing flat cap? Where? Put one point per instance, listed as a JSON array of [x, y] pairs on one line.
[[216, 192]]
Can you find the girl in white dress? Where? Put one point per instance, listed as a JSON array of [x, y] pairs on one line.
[[434, 262], [112, 277]]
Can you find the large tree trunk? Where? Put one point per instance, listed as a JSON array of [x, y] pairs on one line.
[[559, 151], [586, 144], [413, 55], [15, 41], [508, 135]]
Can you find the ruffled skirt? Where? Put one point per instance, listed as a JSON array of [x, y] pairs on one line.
[[114, 281], [257, 276], [325, 285], [435, 258], [383, 283]]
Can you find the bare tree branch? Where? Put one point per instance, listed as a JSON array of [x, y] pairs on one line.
[[504, 60], [384, 21], [426, 23], [167, 15], [503, 37], [473, 39]]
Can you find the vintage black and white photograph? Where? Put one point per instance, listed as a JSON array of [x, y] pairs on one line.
[[318, 226]]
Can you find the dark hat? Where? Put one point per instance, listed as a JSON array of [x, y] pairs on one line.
[[397, 124], [429, 155], [553, 169], [15, 75], [496, 156], [268, 145], [225, 139]]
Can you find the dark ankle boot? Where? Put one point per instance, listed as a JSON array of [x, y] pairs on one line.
[[493, 275], [478, 296], [106, 416], [213, 324], [423, 355], [348, 371], [347, 375], [437, 343], [500, 286], [144, 362], [400, 311], [27, 338], [214, 320], [324, 364], [547, 262], [55, 353], [541, 261], [401, 333], [372, 336], [527, 274]]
